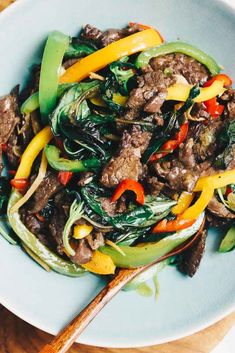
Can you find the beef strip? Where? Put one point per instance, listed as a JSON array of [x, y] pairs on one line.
[[48, 187], [34, 225], [90, 32], [150, 93], [180, 64], [191, 258], [206, 145], [218, 209], [154, 185], [228, 98], [95, 240], [112, 208], [83, 252], [177, 176], [59, 217], [126, 164], [9, 115], [109, 36]]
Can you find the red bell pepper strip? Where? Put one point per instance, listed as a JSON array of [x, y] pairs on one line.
[[4, 147], [221, 77], [172, 226], [132, 185], [19, 184], [65, 177], [171, 145], [11, 171], [213, 107]]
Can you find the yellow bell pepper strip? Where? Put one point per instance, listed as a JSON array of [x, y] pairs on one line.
[[199, 206], [180, 92], [33, 149], [216, 181], [105, 56], [81, 231], [183, 203], [56, 45], [41, 174], [100, 264]]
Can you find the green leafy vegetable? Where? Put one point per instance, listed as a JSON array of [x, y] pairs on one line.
[[79, 48], [72, 106], [136, 217], [75, 213]]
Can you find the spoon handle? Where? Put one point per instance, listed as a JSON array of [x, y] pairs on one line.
[[64, 340]]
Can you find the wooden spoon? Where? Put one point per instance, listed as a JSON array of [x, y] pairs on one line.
[[64, 340]]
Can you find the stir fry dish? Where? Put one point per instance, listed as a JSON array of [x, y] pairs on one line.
[[118, 151]]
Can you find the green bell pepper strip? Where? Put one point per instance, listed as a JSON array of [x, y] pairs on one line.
[[228, 243], [142, 255], [67, 165], [31, 104], [56, 45], [55, 262], [178, 47]]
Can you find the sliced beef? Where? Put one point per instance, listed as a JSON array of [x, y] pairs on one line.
[[180, 64], [228, 98], [218, 222], [126, 164], [154, 185], [177, 176], [9, 116], [199, 112], [112, 208], [90, 32], [34, 225], [218, 209], [186, 155], [191, 258], [110, 36], [95, 240], [150, 93], [206, 145], [48, 187], [83, 252]]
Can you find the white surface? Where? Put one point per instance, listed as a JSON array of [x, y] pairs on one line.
[[227, 344]]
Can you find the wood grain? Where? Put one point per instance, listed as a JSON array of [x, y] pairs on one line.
[[16, 336]]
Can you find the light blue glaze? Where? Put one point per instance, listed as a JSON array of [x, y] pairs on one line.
[[49, 300]]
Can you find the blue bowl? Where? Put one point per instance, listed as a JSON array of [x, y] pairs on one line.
[[48, 300]]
